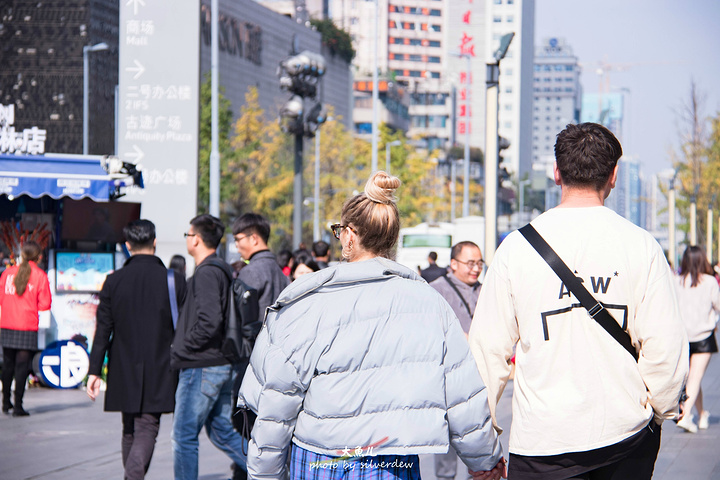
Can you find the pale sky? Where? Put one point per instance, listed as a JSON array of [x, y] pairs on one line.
[[667, 41]]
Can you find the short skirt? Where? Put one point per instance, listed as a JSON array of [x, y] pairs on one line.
[[19, 339], [709, 345]]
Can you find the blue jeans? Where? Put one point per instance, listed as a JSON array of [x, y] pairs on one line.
[[204, 397]]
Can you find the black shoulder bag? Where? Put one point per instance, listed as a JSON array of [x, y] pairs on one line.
[[594, 308]]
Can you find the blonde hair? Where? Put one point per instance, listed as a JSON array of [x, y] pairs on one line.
[[30, 253], [374, 214]]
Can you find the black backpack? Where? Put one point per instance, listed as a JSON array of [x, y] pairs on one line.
[[241, 317]]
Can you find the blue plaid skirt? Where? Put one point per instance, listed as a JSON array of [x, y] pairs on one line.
[[306, 465]]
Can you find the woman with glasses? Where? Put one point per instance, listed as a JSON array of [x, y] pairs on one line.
[[362, 366], [699, 300]]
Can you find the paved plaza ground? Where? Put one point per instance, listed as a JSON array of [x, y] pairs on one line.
[[67, 437]]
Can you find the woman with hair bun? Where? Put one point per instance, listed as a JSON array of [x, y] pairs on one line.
[[24, 291], [362, 366], [699, 301]]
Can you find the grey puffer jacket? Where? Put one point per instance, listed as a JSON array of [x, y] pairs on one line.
[[363, 354]]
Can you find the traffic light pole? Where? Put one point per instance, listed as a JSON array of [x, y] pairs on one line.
[[297, 189], [491, 159]]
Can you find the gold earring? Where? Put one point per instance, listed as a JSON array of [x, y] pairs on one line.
[[347, 250]]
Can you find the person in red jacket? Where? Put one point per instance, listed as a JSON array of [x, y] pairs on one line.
[[24, 291]]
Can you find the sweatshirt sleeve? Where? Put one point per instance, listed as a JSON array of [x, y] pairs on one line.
[[494, 332], [471, 428], [658, 329], [273, 390]]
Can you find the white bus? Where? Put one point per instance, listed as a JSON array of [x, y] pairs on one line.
[[417, 242]]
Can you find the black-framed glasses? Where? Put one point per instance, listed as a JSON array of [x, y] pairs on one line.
[[337, 228], [472, 263], [189, 235], [238, 237]]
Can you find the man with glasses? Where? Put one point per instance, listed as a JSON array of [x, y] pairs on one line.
[[204, 395], [460, 288], [251, 232]]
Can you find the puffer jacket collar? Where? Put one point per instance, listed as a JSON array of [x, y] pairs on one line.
[[375, 269]]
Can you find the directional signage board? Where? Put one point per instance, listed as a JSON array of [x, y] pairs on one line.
[[159, 111]]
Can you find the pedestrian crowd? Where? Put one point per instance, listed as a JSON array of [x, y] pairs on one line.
[[351, 370]]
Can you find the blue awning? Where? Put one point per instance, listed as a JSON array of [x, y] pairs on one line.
[[57, 177]]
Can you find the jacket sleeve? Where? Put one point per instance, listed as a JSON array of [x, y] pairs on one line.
[[471, 428], [210, 297], [658, 329], [44, 296], [103, 330], [272, 389]]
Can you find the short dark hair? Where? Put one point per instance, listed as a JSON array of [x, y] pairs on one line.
[[252, 222], [209, 228], [432, 256], [139, 234], [320, 248], [458, 247], [586, 155]]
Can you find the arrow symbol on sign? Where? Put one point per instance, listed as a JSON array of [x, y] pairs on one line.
[[137, 154], [137, 68], [135, 4]]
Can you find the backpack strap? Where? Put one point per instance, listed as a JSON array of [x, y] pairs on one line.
[[454, 287], [594, 308], [173, 296]]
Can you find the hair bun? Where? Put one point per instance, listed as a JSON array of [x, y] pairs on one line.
[[380, 188]]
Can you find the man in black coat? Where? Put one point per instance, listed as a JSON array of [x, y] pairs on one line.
[[135, 311], [433, 272]]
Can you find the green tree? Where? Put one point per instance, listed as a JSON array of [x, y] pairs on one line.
[[698, 164], [228, 180], [337, 40]]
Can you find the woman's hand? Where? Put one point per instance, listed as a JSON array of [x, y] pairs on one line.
[[499, 471]]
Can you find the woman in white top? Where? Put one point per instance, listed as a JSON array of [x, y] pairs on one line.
[[699, 300]]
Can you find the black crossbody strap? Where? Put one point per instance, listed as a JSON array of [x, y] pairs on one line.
[[459, 295], [594, 308]]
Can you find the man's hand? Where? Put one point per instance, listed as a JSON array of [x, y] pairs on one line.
[[93, 386], [499, 471]]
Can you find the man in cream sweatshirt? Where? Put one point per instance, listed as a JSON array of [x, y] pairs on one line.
[[583, 407]]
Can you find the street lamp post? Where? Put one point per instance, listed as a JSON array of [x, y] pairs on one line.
[[521, 210], [709, 234], [394, 143], [466, 151], [316, 200], [693, 218], [214, 161], [492, 85], [672, 252], [376, 93], [86, 91]]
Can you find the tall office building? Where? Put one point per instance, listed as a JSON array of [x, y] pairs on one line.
[[435, 47], [628, 198], [516, 77], [41, 53], [557, 95]]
